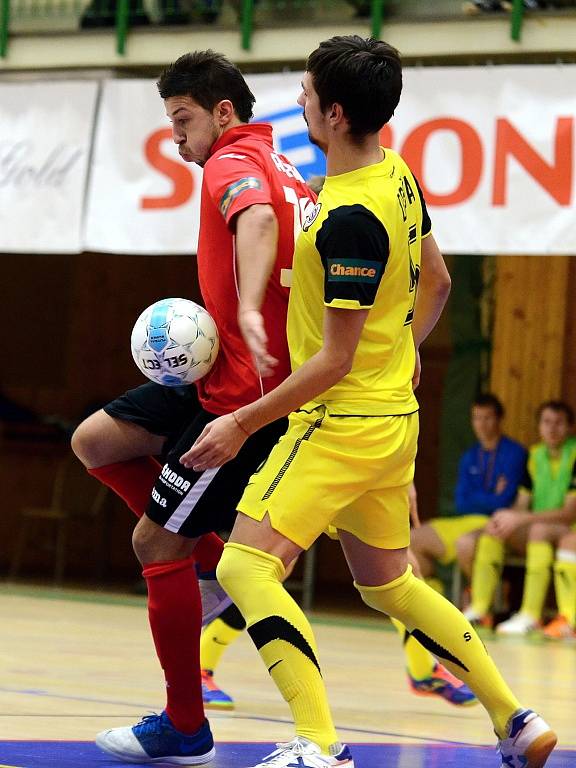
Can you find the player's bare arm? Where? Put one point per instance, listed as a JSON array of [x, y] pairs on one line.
[[433, 290], [256, 244], [223, 438]]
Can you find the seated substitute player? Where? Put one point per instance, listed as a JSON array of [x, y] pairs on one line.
[[488, 476], [347, 458], [542, 516], [249, 196]]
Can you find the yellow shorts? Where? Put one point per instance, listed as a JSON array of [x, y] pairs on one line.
[[350, 472], [449, 530]]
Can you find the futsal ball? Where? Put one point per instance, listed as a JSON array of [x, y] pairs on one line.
[[174, 342]]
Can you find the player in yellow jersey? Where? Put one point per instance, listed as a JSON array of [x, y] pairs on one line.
[[347, 459]]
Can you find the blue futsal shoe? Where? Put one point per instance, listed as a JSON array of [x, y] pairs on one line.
[[155, 740]]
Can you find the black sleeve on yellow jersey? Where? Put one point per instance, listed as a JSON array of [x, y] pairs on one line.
[[426, 223], [353, 245]]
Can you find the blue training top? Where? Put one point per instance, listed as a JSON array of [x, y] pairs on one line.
[[478, 475]]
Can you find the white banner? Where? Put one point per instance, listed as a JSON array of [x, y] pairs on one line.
[[143, 198], [45, 136], [493, 148]]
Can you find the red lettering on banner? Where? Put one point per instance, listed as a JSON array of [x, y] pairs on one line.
[[472, 158], [181, 178], [555, 178]]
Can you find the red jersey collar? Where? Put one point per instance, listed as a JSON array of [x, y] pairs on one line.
[[261, 131]]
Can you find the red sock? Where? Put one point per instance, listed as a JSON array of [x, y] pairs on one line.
[[175, 614], [131, 480], [208, 551]]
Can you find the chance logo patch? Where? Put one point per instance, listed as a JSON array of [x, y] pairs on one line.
[[354, 270]]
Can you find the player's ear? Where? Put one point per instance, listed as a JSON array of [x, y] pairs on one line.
[[224, 112], [336, 114]]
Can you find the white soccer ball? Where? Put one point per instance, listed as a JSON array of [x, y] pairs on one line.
[[174, 342]]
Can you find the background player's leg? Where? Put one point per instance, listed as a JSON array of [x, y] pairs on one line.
[[427, 677], [564, 625], [441, 628], [215, 639], [486, 573], [427, 548], [539, 559]]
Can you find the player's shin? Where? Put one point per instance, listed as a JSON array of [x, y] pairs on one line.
[[282, 635], [443, 630]]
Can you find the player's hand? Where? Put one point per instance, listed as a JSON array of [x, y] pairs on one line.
[[417, 371], [251, 324], [219, 442], [504, 522]]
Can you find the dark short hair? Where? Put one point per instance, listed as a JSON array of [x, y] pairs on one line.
[[208, 77], [558, 406], [363, 75], [488, 400]]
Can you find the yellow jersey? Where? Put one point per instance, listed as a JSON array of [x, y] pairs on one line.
[[360, 248]]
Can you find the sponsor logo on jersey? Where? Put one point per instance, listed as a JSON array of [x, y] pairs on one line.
[[311, 217], [235, 189], [353, 270]]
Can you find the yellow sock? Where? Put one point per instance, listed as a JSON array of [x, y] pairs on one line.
[[435, 584], [565, 585], [282, 635], [444, 631], [539, 559], [217, 636], [486, 572], [419, 662]]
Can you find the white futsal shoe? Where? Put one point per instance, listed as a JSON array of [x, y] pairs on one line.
[[214, 599], [301, 753], [530, 741], [517, 624]]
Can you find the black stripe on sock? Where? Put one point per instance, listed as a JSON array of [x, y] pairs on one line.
[[233, 618], [436, 649], [277, 628]]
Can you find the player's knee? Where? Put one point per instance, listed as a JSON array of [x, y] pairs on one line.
[[88, 444], [230, 572], [154, 544], [540, 532], [465, 547], [84, 444]]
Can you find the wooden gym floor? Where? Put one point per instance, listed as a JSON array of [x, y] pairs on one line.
[[74, 663]]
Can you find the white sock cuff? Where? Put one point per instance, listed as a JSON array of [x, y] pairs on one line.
[[565, 556]]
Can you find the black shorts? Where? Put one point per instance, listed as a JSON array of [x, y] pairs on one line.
[[164, 411], [193, 503]]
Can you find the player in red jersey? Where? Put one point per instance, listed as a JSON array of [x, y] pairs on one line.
[[252, 202]]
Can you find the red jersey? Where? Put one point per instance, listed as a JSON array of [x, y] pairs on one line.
[[243, 170]]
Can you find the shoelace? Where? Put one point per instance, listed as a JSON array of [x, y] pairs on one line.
[[149, 724], [296, 748]]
